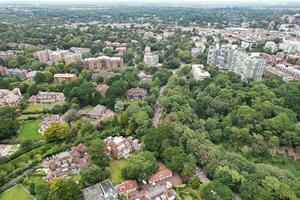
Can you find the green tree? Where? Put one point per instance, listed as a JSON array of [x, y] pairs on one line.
[[216, 191], [8, 122], [93, 174], [57, 131], [97, 152], [63, 189], [141, 166]]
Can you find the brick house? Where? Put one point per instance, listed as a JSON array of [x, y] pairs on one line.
[[118, 147], [136, 93], [68, 162], [47, 98], [126, 186]]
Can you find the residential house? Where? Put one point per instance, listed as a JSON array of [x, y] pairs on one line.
[[102, 88], [47, 98], [118, 147], [80, 50], [153, 192], [161, 175], [100, 113], [126, 186], [64, 77], [68, 162], [31, 75], [199, 73], [136, 93], [10, 97], [100, 191], [47, 121]]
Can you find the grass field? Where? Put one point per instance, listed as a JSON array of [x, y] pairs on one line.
[[27, 116], [37, 108], [29, 130], [16, 193], [116, 168], [187, 193]]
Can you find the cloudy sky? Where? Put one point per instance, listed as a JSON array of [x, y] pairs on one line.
[[155, 1]]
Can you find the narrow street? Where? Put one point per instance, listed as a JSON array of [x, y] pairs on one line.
[[158, 108]]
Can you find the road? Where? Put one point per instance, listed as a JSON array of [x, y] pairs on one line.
[[203, 178], [158, 108]]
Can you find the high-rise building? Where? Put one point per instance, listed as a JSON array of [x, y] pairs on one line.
[[220, 56], [228, 57], [248, 65]]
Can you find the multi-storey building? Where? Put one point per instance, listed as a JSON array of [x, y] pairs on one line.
[[118, 147], [151, 59], [72, 57], [248, 65], [228, 57], [15, 73], [47, 98], [103, 62], [68, 162], [195, 52], [63, 77], [80, 50], [10, 97], [199, 73], [220, 56], [7, 54], [136, 93], [43, 56]]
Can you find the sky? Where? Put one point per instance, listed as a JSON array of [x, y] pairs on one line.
[[168, 2]]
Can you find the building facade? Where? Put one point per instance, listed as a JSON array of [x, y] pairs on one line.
[[228, 57], [199, 73], [103, 62]]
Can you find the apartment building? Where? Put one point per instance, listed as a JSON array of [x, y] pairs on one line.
[[221, 56], [56, 56], [14, 73], [72, 57], [195, 52], [118, 147], [248, 65], [199, 73], [68, 162], [151, 59], [229, 57], [103, 62]]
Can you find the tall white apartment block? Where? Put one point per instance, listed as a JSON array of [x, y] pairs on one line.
[[228, 57]]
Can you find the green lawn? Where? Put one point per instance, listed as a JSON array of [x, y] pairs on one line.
[[116, 167], [28, 116], [37, 108], [187, 193], [29, 130], [16, 193]]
